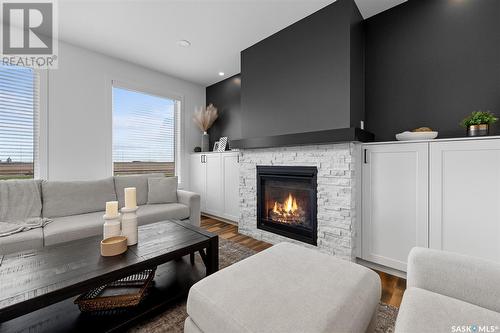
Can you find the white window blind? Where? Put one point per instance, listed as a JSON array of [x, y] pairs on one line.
[[19, 125], [145, 132]]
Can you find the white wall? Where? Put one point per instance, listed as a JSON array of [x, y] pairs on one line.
[[79, 114]]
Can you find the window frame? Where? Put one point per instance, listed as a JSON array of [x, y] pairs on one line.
[[42, 163], [40, 124], [178, 121]]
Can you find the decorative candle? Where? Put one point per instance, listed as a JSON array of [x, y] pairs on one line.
[[112, 209], [130, 197]]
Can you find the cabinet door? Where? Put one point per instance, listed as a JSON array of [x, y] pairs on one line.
[[465, 197], [214, 199], [231, 178], [394, 202], [197, 179]]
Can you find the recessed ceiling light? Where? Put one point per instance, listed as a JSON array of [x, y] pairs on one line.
[[184, 43], [221, 73]]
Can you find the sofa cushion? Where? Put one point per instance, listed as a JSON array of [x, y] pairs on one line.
[[424, 311], [21, 241], [64, 198], [162, 190], [154, 213], [69, 228], [20, 200], [140, 182], [287, 288]]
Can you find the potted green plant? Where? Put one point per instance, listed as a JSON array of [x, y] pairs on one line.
[[478, 123]]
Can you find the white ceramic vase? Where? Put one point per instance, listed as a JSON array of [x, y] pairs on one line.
[[129, 225]]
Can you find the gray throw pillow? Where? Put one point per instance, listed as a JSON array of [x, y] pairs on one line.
[[65, 198], [162, 190], [140, 182]]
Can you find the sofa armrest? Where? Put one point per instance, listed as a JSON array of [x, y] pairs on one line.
[[192, 200], [469, 279]]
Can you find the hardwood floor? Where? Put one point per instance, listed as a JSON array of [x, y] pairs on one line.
[[230, 231], [393, 287]]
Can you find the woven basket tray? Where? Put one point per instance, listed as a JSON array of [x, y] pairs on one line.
[[121, 294]]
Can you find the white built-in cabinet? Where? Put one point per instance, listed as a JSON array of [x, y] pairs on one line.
[[465, 197], [215, 176], [198, 177], [214, 180], [231, 188], [442, 194], [395, 209]]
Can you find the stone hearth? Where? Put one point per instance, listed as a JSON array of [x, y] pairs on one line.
[[335, 198]]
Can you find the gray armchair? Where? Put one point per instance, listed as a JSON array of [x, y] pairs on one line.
[[449, 292]]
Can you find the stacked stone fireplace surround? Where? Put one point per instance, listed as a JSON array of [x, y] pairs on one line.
[[336, 194]]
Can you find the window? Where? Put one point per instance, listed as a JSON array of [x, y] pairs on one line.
[[19, 105], [145, 135]]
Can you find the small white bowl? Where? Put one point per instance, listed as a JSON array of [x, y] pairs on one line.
[[408, 136]]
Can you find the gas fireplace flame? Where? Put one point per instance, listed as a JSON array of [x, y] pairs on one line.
[[288, 212], [288, 207]]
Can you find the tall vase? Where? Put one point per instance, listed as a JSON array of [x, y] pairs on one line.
[[205, 139]]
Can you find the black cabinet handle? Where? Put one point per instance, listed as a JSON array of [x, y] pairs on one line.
[[365, 157]]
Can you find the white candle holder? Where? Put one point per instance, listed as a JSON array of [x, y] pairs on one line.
[[112, 226], [129, 225]]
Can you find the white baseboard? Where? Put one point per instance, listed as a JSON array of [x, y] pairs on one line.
[[381, 268], [219, 218]]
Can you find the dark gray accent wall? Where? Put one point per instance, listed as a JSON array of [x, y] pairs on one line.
[[430, 63], [299, 79], [357, 77], [225, 95]]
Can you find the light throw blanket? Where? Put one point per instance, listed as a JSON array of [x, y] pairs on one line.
[[20, 206]]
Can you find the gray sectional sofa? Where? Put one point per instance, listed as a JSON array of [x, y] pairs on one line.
[[75, 209]]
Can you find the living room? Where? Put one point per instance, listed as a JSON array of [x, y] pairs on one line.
[[250, 166]]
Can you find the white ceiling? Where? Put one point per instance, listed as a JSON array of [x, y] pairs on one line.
[[146, 31], [369, 8]]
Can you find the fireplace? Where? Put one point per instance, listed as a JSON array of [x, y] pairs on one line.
[[286, 201]]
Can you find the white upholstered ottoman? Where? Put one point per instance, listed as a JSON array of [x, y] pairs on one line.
[[286, 288]]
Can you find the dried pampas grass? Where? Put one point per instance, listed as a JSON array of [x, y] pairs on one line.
[[205, 117]]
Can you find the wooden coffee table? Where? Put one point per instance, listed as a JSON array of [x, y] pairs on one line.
[[38, 287]]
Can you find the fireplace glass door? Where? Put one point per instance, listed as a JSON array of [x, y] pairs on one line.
[[286, 202]]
